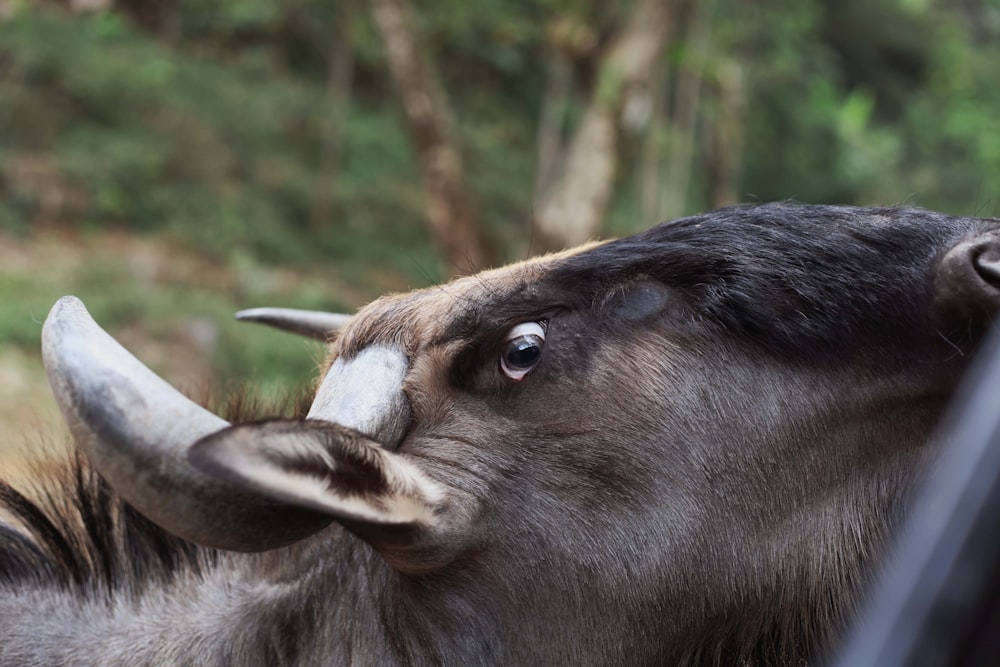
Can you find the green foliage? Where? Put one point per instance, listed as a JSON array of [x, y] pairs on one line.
[[212, 125], [953, 157], [861, 102], [223, 154]]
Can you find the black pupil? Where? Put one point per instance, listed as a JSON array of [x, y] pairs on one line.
[[523, 352]]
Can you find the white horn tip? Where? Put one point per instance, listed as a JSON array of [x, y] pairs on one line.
[[67, 306], [312, 323], [67, 314]]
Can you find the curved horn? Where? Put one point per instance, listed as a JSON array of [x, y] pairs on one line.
[[312, 323], [136, 430], [365, 393]]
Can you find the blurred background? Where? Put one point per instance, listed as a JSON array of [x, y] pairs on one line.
[[172, 161]]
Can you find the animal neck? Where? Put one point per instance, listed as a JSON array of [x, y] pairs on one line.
[[348, 605]]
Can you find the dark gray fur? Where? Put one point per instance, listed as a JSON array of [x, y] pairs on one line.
[[728, 418]]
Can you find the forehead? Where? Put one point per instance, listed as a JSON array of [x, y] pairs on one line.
[[791, 277], [458, 308]]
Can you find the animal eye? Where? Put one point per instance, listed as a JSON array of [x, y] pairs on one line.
[[522, 350]]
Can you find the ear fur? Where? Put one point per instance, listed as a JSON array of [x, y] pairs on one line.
[[968, 280], [378, 494]]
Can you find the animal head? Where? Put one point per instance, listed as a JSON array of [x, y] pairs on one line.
[[692, 437]]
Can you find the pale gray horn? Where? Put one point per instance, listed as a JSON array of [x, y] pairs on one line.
[[365, 393], [136, 430], [312, 323]]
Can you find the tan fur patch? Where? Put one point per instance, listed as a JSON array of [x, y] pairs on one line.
[[413, 319]]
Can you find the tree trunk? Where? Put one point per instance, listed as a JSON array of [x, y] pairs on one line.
[[338, 93], [654, 151], [550, 126], [574, 209], [687, 102], [725, 148], [449, 210]]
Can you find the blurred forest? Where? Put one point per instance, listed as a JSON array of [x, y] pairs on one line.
[[172, 160]]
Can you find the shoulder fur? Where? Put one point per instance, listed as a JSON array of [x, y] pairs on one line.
[[76, 533], [70, 530]]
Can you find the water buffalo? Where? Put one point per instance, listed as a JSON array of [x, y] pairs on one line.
[[687, 446]]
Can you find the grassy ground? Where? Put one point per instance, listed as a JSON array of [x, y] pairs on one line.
[[170, 306]]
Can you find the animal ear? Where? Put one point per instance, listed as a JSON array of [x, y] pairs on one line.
[[379, 495], [968, 279]]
